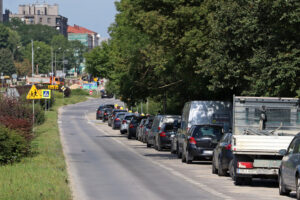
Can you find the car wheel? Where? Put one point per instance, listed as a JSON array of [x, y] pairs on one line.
[[221, 171], [231, 169], [183, 158], [188, 157], [298, 188], [148, 145], [214, 170], [159, 148], [282, 188], [179, 155]]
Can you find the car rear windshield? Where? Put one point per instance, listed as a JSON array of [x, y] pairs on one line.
[[169, 127], [121, 116], [207, 131], [129, 117]]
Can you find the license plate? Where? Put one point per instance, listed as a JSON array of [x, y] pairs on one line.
[[208, 152]]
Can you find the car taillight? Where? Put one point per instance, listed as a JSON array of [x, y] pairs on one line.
[[192, 140], [228, 147], [245, 165], [162, 134], [131, 126], [117, 119], [105, 113], [99, 112], [124, 122], [158, 128]]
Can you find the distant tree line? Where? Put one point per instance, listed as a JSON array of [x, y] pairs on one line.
[[207, 49], [16, 48]]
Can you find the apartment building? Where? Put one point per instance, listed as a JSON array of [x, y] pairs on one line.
[[42, 13], [87, 37]]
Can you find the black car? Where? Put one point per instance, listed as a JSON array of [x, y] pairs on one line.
[[112, 115], [105, 113], [100, 109], [104, 94], [289, 171], [222, 155], [163, 138], [132, 126], [200, 142]]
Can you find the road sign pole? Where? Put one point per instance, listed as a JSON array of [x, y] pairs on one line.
[[33, 115]]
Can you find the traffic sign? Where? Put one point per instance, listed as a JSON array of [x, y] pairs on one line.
[[46, 94], [34, 93], [53, 87], [63, 88], [91, 92]]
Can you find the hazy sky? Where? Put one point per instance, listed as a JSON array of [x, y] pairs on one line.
[[95, 15]]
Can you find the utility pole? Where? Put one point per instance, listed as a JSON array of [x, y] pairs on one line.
[[52, 65], [32, 58]]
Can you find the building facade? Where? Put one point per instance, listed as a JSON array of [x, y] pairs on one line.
[[87, 37], [1, 10], [44, 14]]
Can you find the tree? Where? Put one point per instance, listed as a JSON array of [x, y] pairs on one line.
[[4, 35], [42, 56], [7, 66], [23, 68]]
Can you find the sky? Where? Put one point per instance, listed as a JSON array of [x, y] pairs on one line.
[[96, 15]]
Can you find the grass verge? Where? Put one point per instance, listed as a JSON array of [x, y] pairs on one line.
[[43, 175]]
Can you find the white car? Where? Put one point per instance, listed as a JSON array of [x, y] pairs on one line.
[[125, 122]]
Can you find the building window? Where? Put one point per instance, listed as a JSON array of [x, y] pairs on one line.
[[49, 20], [41, 20], [39, 12], [24, 12]]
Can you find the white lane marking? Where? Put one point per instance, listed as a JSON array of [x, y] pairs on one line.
[[172, 171]]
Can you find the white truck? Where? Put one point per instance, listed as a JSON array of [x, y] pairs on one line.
[[261, 127]]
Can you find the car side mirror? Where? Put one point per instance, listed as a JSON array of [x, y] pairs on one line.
[[282, 152]]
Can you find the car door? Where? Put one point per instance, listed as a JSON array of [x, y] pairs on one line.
[[288, 164], [219, 148]]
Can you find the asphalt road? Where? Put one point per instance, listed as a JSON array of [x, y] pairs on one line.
[[103, 164]]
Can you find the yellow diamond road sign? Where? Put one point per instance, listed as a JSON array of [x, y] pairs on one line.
[[34, 93]]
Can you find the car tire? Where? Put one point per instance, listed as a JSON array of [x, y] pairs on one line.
[[221, 171], [231, 169], [179, 155], [183, 158], [214, 170], [148, 145], [187, 157], [282, 188], [298, 187], [159, 148], [129, 136]]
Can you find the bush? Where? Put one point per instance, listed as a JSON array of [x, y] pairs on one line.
[[67, 92], [23, 126], [39, 114], [12, 146], [80, 92]]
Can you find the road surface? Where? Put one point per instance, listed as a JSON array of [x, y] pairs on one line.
[[103, 164]]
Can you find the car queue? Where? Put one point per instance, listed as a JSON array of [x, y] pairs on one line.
[[204, 133]]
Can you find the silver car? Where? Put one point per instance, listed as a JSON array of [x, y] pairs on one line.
[[125, 122]]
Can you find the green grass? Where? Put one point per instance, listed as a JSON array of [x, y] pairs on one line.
[[43, 175]]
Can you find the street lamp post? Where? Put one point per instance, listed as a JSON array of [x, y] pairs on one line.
[[32, 58]]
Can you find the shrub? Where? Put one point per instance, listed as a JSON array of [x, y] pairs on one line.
[[39, 114], [67, 92], [23, 126], [80, 92], [12, 146]]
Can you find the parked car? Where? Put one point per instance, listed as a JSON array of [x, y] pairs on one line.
[[132, 126], [117, 120], [289, 171], [101, 107], [203, 112], [112, 115], [156, 128], [163, 138], [105, 113], [222, 155], [140, 128], [200, 142], [174, 142], [125, 122], [146, 128]]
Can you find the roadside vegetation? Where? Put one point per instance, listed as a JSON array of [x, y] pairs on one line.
[[176, 51], [41, 174]]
